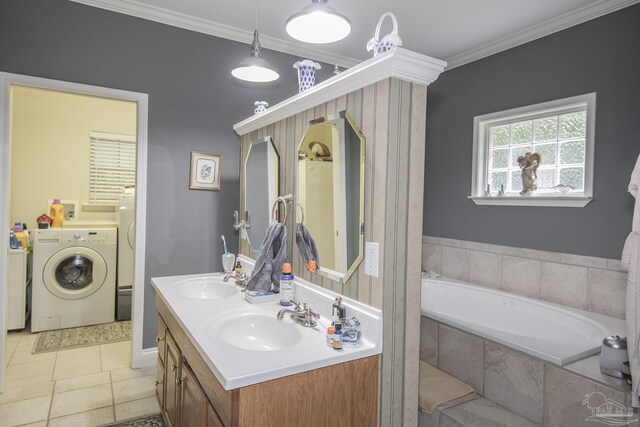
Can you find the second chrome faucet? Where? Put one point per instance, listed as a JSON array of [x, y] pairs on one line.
[[301, 315]]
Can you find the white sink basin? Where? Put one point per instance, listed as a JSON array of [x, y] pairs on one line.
[[256, 331], [206, 287]]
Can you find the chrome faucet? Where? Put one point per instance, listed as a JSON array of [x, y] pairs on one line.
[[302, 316], [240, 279]]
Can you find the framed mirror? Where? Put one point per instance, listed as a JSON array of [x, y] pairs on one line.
[[261, 177], [330, 190]]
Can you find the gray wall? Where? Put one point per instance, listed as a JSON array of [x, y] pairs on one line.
[[193, 104], [600, 56]]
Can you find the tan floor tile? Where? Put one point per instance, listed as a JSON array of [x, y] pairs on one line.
[[38, 379], [25, 411], [137, 408], [13, 393], [77, 362], [95, 417], [128, 373], [83, 381], [38, 424], [25, 356], [27, 342], [81, 400], [33, 369], [134, 389], [115, 355]]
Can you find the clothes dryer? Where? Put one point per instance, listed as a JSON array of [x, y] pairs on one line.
[[74, 277], [125, 216]]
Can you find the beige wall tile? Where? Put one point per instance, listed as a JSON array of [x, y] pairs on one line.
[[482, 412], [431, 257], [485, 269], [607, 292], [521, 276], [541, 255], [81, 400], [585, 261], [514, 381], [505, 250], [564, 284], [429, 341], [474, 246], [564, 394], [460, 355], [455, 263]]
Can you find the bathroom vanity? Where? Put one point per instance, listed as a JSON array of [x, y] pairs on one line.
[[225, 362]]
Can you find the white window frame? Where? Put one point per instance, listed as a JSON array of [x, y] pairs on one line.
[[129, 139], [481, 125]]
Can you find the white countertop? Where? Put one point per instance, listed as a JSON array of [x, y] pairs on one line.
[[235, 367]]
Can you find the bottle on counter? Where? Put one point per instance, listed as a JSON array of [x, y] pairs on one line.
[[337, 337], [20, 236], [56, 212], [286, 285]]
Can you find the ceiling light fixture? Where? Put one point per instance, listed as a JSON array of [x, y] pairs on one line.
[[255, 68], [318, 23]]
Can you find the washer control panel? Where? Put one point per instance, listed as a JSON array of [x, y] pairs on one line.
[[90, 235]]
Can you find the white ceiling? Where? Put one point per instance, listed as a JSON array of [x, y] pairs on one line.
[[458, 31]]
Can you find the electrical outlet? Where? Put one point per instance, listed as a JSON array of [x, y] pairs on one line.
[[371, 258]]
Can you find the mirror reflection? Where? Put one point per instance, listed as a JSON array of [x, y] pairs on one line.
[[262, 171], [331, 193]]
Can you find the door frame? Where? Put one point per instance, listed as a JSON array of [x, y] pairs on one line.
[[139, 357]]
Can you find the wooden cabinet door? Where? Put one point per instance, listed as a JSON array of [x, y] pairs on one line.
[[160, 339], [160, 379], [194, 403], [212, 417], [170, 411]]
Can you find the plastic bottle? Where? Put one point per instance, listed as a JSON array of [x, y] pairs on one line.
[[13, 242], [286, 285], [20, 236], [337, 337], [330, 330], [56, 212]]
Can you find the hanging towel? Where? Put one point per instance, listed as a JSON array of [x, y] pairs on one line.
[[307, 247], [631, 262], [273, 253]]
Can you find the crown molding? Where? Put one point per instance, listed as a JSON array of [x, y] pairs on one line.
[[543, 29], [175, 19], [400, 63]]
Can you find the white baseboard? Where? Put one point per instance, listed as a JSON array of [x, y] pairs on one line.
[[149, 357]]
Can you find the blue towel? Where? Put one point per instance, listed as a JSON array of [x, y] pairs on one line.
[[273, 253]]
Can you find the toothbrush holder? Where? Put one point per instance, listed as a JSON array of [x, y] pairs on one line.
[[228, 262]]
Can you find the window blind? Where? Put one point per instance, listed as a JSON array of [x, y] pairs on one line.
[[112, 166]]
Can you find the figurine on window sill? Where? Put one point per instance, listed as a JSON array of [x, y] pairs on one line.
[[529, 164]]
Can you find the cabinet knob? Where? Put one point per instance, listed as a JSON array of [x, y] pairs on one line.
[[158, 339], [157, 383], [173, 367], [179, 380]]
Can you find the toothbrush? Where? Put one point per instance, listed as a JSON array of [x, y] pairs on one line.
[[224, 243]]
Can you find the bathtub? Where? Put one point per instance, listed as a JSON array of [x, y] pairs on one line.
[[554, 333]]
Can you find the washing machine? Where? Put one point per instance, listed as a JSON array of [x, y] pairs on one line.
[[125, 216], [74, 277]]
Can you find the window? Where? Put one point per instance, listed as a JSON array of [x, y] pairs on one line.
[[112, 166], [561, 132]]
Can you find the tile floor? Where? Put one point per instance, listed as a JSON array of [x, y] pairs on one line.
[[82, 387]]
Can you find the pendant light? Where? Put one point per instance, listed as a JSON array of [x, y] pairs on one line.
[[318, 23], [255, 68]]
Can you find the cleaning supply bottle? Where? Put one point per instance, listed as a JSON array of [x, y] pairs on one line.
[[286, 285], [20, 236], [337, 337], [56, 212], [13, 242]]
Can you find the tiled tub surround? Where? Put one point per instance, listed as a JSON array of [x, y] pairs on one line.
[[587, 283], [541, 392]]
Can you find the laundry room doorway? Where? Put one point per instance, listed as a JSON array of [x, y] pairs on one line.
[[83, 148]]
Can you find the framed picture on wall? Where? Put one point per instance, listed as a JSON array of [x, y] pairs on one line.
[[204, 172]]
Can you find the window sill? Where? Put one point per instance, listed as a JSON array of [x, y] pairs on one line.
[[533, 200]]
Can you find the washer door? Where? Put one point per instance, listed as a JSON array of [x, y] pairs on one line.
[[74, 273], [131, 234]]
